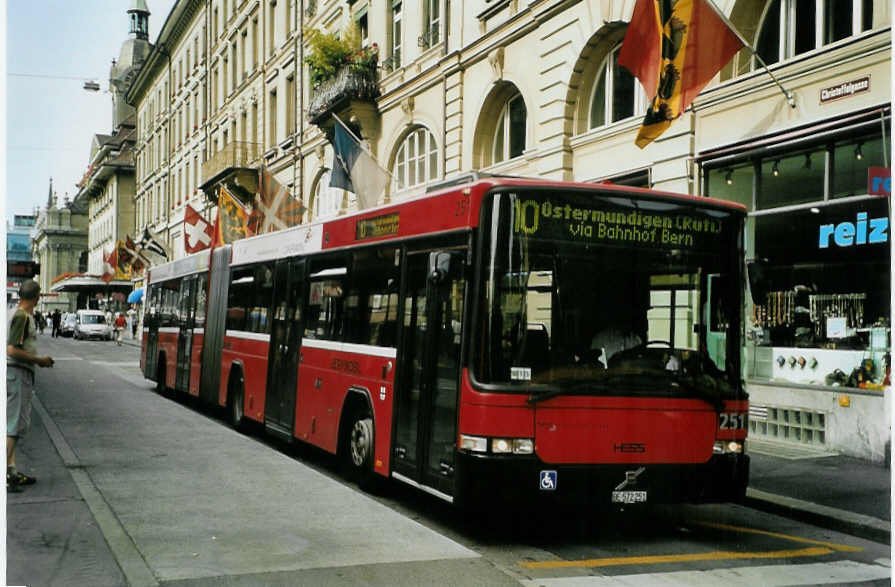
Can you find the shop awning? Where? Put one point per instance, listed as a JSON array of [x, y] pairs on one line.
[[85, 283], [135, 296]]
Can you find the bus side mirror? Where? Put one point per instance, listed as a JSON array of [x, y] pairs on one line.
[[439, 265], [759, 285]]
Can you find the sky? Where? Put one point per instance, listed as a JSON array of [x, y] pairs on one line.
[[50, 121]]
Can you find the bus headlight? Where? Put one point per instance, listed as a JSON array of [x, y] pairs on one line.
[[473, 443], [723, 447], [498, 446], [517, 446]]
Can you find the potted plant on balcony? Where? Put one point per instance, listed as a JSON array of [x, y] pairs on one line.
[[339, 68]]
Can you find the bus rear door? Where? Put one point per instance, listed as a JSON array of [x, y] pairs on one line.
[[150, 325], [285, 342], [429, 381]]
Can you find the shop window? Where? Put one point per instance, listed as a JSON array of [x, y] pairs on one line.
[[851, 159], [792, 179], [733, 183], [616, 95], [820, 291]]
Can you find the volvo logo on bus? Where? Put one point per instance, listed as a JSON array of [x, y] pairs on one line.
[[629, 447]]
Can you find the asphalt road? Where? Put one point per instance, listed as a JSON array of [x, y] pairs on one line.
[[139, 489]]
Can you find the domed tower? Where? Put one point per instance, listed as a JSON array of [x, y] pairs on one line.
[[133, 52]]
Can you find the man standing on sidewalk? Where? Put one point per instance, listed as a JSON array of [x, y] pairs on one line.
[[21, 357]]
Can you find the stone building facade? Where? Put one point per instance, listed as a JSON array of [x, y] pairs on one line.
[[59, 245]]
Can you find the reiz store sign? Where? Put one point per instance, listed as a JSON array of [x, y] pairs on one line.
[[879, 181], [864, 231]]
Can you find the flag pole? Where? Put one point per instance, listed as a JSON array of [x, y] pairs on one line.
[[789, 97]]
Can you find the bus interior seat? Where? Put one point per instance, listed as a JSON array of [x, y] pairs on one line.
[[536, 352]]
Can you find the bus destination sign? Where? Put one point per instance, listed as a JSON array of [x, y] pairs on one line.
[[603, 221], [377, 226]]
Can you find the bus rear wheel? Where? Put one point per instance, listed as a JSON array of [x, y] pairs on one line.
[[235, 405], [359, 448], [160, 371]]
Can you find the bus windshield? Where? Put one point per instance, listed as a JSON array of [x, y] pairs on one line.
[[596, 294]]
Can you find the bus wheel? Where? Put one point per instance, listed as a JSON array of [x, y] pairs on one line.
[[160, 378], [359, 457], [235, 404]]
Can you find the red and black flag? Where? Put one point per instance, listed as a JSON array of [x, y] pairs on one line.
[[675, 48]]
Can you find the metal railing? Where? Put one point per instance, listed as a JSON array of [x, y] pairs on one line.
[[233, 155], [352, 81]]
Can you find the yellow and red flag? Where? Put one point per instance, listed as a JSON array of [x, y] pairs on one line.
[[232, 216], [674, 47]]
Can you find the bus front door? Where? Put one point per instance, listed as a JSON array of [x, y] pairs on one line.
[[186, 324], [429, 383], [285, 341]]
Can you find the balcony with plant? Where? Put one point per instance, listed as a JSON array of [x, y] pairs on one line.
[[340, 71]]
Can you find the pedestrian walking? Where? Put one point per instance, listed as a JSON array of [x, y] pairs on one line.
[[120, 324], [40, 320], [57, 322], [21, 357]]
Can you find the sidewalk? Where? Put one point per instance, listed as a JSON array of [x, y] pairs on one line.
[[833, 491]]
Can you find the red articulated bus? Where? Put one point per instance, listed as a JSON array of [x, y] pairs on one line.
[[525, 338]]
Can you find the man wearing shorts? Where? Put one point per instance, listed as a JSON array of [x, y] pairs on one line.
[[21, 357]]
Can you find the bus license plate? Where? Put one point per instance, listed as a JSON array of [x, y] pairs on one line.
[[629, 497]]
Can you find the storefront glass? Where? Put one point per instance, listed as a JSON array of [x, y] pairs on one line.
[[819, 313]]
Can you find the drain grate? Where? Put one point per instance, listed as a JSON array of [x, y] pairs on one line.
[[788, 424]]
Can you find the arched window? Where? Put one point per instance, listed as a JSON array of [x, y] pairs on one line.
[[326, 201], [616, 94], [416, 161], [790, 27], [509, 136]]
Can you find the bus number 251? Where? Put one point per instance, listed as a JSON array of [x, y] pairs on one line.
[[732, 421]]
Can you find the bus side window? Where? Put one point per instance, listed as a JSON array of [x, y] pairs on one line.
[[238, 296], [326, 299], [371, 310]]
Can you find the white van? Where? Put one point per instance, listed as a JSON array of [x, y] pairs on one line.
[[92, 324]]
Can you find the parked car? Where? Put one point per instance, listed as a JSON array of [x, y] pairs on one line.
[[68, 325], [92, 324]]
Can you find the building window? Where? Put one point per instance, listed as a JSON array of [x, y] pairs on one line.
[[271, 27], [326, 201], [363, 27], [509, 138], [290, 105], [790, 27], [272, 118], [416, 161], [396, 35], [616, 94], [432, 29]]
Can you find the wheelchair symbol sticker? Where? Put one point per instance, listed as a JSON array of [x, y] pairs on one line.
[[548, 480]]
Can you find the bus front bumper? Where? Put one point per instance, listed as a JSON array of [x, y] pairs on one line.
[[482, 479]]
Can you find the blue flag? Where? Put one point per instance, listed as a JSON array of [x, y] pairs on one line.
[[355, 170]]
